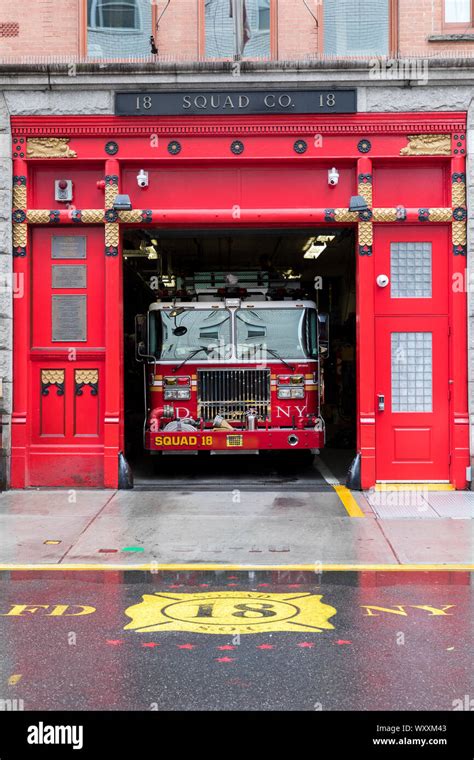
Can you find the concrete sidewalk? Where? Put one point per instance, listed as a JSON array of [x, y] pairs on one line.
[[234, 527]]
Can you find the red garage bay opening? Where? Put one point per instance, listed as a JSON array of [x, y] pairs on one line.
[[397, 218]]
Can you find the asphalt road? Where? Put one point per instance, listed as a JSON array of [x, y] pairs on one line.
[[236, 640]]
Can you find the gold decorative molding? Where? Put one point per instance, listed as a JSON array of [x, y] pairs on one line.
[[110, 195], [52, 376], [459, 233], [20, 235], [38, 216], [19, 196], [86, 376], [92, 215], [458, 194], [112, 234], [344, 215], [130, 216], [385, 215], [365, 191], [427, 145], [49, 147], [366, 233], [440, 214]]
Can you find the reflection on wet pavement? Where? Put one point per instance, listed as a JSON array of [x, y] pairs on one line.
[[236, 640]]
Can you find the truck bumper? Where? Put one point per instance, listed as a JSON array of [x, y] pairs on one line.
[[240, 440]]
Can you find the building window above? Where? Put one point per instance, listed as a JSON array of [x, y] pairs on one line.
[[458, 12], [114, 14], [238, 27], [117, 29], [356, 27]]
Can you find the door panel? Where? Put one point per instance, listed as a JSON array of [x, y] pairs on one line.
[[412, 430], [416, 262]]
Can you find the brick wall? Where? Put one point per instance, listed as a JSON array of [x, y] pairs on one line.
[[178, 31], [44, 27], [298, 35], [421, 19]]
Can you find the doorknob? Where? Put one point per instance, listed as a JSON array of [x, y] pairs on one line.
[[380, 402]]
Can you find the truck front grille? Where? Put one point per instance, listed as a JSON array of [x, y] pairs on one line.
[[232, 392]]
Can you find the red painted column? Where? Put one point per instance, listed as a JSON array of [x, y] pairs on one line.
[[459, 346], [365, 358], [113, 354], [21, 346]]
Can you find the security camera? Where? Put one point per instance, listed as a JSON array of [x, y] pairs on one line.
[[142, 178], [333, 177]]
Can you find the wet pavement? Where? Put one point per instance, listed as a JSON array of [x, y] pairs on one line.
[[234, 640], [243, 527]]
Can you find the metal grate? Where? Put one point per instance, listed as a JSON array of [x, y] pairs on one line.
[[232, 392], [233, 441], [9, 29]]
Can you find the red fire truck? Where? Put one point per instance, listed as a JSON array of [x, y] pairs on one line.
[[229, 370]]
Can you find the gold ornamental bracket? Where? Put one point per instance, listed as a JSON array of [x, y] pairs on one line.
[[427, 145], [52, 377], [49, 147]]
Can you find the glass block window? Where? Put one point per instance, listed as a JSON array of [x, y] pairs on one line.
[[412, 382], [410, 270]]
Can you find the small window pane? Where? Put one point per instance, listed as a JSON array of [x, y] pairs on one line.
[[221, 28], [410, 270], [119, 29], [118, 16], [264, 15], [356, 27], [457, 11], [412, 382]]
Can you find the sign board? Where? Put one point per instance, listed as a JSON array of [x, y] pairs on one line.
[[235, 102], [68, 247], [64, 276], [69, 319]]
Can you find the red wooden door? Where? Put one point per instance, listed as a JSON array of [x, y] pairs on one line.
[[412, 354], [66, 358], [412, 431]]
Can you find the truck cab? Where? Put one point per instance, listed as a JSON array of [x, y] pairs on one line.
[[226, 374]]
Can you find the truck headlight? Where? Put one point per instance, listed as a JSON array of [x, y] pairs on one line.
[[290, 393], [177, 388], [177, 394]]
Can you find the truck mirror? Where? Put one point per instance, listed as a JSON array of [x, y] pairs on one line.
[[140, 337], [323, 322]]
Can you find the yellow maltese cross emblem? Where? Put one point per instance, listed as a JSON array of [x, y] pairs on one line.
[[230, 612]]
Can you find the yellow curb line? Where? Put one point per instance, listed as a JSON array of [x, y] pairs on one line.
[[315, 567], [352, 508]]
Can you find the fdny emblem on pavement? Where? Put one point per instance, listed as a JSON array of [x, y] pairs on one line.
[[230, 612]]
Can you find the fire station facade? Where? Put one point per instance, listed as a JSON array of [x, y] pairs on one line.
[[210, 144]]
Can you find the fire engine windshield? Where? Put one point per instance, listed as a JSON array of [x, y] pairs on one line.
[[194, 329], [285, 333]]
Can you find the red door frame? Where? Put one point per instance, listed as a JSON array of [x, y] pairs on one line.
[[358, 143]]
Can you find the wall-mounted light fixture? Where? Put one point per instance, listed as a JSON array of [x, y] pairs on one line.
[[357, 203], [122, 203]]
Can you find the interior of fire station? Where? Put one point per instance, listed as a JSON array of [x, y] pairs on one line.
[[262, 264]]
